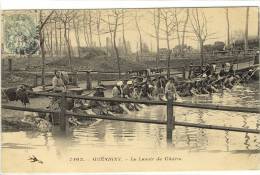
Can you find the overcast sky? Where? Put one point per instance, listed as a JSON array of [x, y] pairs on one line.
[[216, 24]]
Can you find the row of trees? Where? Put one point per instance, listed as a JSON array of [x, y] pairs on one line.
[[88, 28], [168, 26]]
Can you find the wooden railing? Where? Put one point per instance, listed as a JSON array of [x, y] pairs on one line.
[[170, 104]]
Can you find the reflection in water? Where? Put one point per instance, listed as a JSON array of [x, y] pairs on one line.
[[247, 139], [227, 140], [188, 136], [62, 141], [257, 139], [115, 134], [46, 139], [244, 121]]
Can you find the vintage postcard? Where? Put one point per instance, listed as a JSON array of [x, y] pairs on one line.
[[130, 89]]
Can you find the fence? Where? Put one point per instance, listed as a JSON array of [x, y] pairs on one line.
[[240, 56], [170, 122], [73, 76], [98, 74]]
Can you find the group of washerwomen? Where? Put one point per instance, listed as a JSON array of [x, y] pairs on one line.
[[98, 107], [136, 87], [159, 87], [210, 81]]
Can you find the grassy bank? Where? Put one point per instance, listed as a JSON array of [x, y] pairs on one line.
[[22, 74]]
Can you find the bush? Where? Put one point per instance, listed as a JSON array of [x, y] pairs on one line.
[[89, 52]]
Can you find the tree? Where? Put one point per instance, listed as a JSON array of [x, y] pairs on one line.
[[258, 29], [48, 43], [156, 23], [177, 22], [98, 20], [76, 25], [114, 18], [199, 25], [184, 31], [90, 22], [246, 29], [56, 37], [139, 33], [66, 17], [86, 35], [123, 31], [228, 30], [110, 31], [167, 17], [42, 22]]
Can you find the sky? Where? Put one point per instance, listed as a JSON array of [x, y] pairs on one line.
[[216, 24]]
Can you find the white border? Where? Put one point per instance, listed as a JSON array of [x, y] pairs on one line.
[[90, 4], [83, 4]]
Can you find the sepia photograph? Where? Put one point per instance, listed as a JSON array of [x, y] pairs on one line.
[[130, 89]]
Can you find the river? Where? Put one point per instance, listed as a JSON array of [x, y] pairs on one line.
[[103, 138]]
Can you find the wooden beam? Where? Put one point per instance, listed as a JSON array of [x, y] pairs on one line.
[[170, 121], [152, 102], [223, 128], [18, 108], [88, 81], [122, 100], [119, 118], [218, 107], [64, 123], [123, 118]]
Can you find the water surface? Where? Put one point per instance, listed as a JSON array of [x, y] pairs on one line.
[[120, 138]]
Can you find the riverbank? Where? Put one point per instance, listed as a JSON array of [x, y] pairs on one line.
[[14, 120], [22, 74]]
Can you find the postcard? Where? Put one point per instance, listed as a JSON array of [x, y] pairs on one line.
[[130, 89]]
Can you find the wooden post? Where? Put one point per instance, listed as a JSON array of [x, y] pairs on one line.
[[184, 73], [10, 66], [74, 78], [98, 78], [249, 60], [237, 59], [64, 123], [36, 80], [2, 66], [88, 81], [170, 119]]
